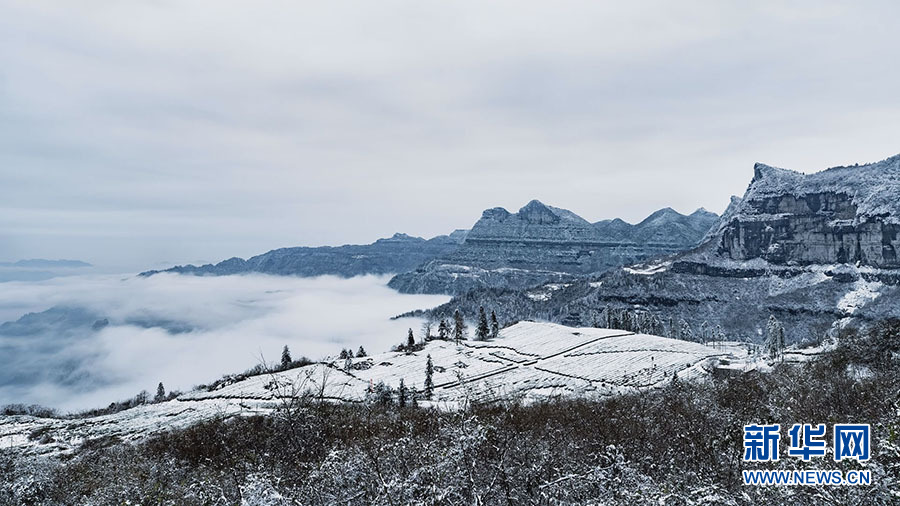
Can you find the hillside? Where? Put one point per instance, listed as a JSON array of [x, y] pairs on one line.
[[529, 361]]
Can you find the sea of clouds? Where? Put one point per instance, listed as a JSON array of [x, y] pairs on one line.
[[110, 336]]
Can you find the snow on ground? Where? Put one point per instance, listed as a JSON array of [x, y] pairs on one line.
[[547, 291], [863, 292], [648, 270], [529, 361]]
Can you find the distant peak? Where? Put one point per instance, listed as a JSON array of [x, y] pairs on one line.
[[702, 211], [762, 171], [534, 205], [400, 237], [495, 213], [666, 211], [536, 212]]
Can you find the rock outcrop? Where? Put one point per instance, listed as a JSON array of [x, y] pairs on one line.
[[837, 216], [541, 243]]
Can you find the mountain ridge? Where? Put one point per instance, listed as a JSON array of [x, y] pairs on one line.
[[541, 243], [816, 251], [397, 253]]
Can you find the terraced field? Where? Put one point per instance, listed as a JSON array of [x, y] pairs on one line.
[[529, 361]]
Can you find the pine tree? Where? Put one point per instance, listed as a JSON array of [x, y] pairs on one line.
[[285, 357], [160, 393], [483, 330], [495, 326], [410, 342], [361, 352], [685, 331], [443, 330], [344, 354], [459, 327], [719, 333], [142, 397], [383, 394], [774, 344], [429, 378], [402, 394], [704, 332]]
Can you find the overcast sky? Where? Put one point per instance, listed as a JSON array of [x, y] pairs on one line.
[[138, 134]]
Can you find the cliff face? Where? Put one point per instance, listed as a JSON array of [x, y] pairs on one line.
[[541, 243], [841, 215]]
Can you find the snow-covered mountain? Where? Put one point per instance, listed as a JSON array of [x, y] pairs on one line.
[[840, 215], [541, 243], [817, 251], [527, 361]]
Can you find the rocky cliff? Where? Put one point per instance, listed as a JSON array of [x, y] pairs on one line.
[[541, 243], [817, 251], [399, 253], [837, 216]]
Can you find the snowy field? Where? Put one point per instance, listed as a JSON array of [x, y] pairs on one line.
[[529, 361]]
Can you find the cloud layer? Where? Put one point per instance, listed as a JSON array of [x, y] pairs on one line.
[[72, 363], [147, 133]]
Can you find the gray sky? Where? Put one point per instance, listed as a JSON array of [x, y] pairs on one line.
[[137, 134]]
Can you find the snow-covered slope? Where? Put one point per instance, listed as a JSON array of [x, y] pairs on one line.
[[528, 361]]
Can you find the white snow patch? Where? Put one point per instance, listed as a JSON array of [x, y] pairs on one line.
[[863, 292], [648, 269]]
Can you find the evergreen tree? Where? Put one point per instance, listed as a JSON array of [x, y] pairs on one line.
[[160, 393], [685, 332], [483, 330], [719, 333], [402, 394], [443, 330], [429, 378], [344, 354], [410, 342], [286, 357], [495, 326], [383, 394], [704, 332], [142, 398], [774, 344], [657, 328], [459, 327], [361, 352]]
